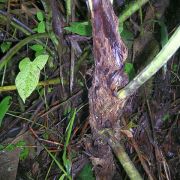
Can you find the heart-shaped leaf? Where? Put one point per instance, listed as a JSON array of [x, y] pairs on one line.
[[41, 27], [28, 77]]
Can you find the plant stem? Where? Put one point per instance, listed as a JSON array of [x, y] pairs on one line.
[[41, 83], [124, 160], [131, 9], [5, 59], [68, 7], [163, 56]]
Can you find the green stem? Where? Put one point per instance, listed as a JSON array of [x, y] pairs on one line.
[[131, 9], [124, 160], [162, 58], [68, 7], [48, 6], [57, 162], [41, 83], [18, 46]]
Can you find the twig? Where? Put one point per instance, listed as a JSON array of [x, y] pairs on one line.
[[41, 83]]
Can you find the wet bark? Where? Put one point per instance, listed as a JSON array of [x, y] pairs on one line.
[[105, 108]]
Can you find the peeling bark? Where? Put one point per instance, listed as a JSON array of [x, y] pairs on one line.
[[105, 108]]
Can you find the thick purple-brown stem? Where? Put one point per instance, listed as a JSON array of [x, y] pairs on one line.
[[105, 108]]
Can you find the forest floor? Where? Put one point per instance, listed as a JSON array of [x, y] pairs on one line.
[[44, 126]]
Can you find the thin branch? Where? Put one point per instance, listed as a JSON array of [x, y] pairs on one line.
[[41, 83]]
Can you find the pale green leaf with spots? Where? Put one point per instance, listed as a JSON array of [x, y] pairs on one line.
[[40, 61], [28, 77]]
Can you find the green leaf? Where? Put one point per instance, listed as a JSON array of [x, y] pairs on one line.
[[24, 63], [5, 46], [66, 161], [1, 147], [37, 47], [86, 173], [85, 29], [129, 69], [3, 1], [38, 53], [4, 106], [164, 33], [166, 117], [28, 77], [20, 143], [24, 153], [40, 16], [127, 35], [81, 28], [175, 68], [40, 61], [10, 147], [62, 177], [41, 27]]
